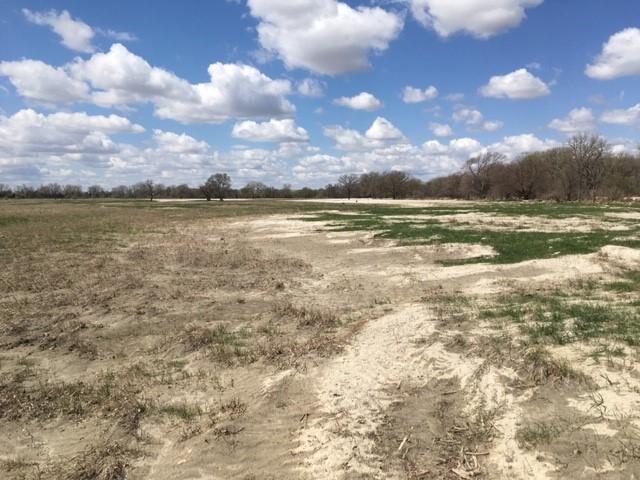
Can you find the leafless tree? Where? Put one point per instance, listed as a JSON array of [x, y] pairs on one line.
[[149, 189], [588, 154], [396, 183], [348, 184], [479, 169]]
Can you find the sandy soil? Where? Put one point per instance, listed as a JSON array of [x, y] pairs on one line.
[[373, 372]]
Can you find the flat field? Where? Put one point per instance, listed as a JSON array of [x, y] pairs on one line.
[[307, 340]]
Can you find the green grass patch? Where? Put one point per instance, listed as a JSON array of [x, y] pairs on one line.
[[511, 245], [553, 320]]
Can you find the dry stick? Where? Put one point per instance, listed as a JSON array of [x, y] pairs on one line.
[[404, 440]]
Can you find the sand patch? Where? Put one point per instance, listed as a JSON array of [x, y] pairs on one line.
[[354, 390]]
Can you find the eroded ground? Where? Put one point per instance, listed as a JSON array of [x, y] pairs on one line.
[[302, 340]]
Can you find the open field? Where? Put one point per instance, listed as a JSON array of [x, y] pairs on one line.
[[307, 340]]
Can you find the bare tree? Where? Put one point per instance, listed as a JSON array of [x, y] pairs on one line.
[[95, 191], [529, 175], [149, 189], [396, 183], [348, 184], [217, 185], [371, 185], [72, 191], [588, 154], [479, 169]]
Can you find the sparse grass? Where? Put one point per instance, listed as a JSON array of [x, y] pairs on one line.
[[108, 461], [540, 368], [306, 316], [221, 343], [24, 398], [539, 433], [183, 411]]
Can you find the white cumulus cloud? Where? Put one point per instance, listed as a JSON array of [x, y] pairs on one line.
[[119, 78], [75, 34], [178, 142], [28, 132], [474, 120], [417, 95], [281, 131], [310, 87], [43, 83], [362, 101], [479, 18], [441, 129], [383, 129], [324, 36], [620, 56], [627, 116], [517, 85], [380, 133], [579, 120]]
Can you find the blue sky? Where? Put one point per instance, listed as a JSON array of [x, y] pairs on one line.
[[302, 92]]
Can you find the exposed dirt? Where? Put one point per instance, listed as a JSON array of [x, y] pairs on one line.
[[273, 348]]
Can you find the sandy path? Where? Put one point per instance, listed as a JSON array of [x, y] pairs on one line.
[[354, 390]]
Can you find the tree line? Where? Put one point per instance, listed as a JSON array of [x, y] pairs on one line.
[[585, 168]]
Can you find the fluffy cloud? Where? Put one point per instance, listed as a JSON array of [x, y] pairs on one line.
[[324, 36], [122, 78], [321, 168], [480, 18], [380, 133], [474, 120], [178, 143], [362, 101], [75, 34], [30, 133], [416, 95], [119, 78], [440, 129], [579, 120], [382, 129], [43, 83], [517, 85], [310, 87], [280, 131], [517, 145], [628, 117], [620, 56]]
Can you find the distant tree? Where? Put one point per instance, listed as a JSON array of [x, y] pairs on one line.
[[72, 191], [5, 191], [396, 183], [121, 191], [254, 190], [348, 184], [588, 153], [217, 185], [286, 191], [479, 168], [371, 185], [144, 189], [95, 191], [50, 190], [24, 191], [149, 189]]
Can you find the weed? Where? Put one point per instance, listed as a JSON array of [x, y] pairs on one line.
[[538, 433], [182, 411], [306, 316], [541, 368]]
